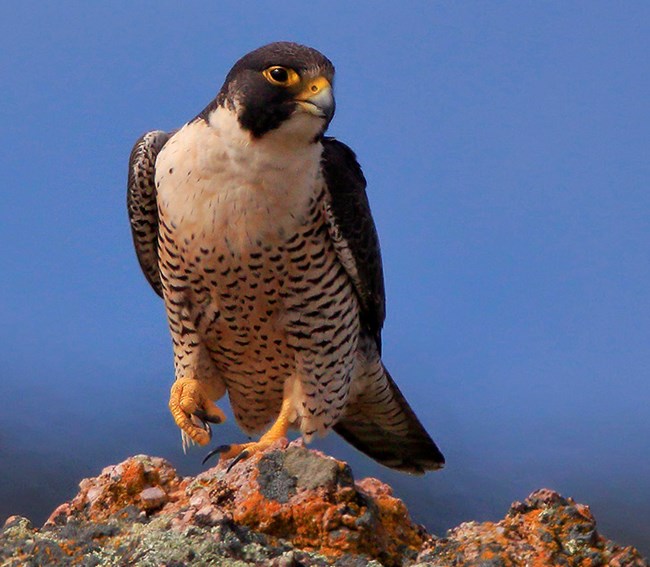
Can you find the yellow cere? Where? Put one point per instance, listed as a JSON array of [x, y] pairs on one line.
[[313, 87]]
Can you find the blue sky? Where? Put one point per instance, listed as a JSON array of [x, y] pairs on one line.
[[506, 148]]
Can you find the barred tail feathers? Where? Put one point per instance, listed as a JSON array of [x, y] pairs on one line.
[[381, 424]]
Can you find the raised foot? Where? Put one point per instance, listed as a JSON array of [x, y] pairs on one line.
[[192, 408]]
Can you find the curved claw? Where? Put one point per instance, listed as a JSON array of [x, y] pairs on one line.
[[216, 451], [187, 441], [224, 450], [241, 452], [243, 455], [208, 418]]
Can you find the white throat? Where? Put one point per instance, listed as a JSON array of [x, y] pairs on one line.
[[216, 178]]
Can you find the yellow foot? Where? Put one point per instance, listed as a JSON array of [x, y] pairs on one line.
[[245, 450], [239, 452], [192, 407]]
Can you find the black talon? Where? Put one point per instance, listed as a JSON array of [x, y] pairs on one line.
[[206, 426], [202, 415], [238, 458], [215, 451]]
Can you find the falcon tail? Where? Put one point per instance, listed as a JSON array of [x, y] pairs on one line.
[[366, 427]]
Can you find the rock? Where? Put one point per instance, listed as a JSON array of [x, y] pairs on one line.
[[546, 529], [152, 498], [289, 507]]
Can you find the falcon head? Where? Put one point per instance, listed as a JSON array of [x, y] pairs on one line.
[[280, 86]]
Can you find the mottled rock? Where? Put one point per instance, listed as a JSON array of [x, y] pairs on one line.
[[152, 498], [289, 507], [309, 500], [545, 529]]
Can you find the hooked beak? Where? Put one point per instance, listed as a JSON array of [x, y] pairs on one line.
[[317, 98]]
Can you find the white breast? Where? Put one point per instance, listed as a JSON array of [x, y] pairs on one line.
[[215, 179]]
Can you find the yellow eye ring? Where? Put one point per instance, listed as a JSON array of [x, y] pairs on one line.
[[281, 76]]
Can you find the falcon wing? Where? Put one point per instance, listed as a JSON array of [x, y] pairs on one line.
[[353, 231], [380, 423], [141, 203]]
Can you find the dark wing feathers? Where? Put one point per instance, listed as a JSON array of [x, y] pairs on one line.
[[141, 203], [355, 239], [353, 232]]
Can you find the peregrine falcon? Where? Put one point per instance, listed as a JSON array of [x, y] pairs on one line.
[[255, 229]]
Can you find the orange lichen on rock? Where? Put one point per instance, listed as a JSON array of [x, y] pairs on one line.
[[311, 500], [290, 506], [145, 483], [546, 529], [394, 520]]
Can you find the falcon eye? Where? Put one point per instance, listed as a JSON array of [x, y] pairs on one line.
[[281, 76]]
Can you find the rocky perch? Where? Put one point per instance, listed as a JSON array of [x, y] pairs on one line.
[[289, 507]]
